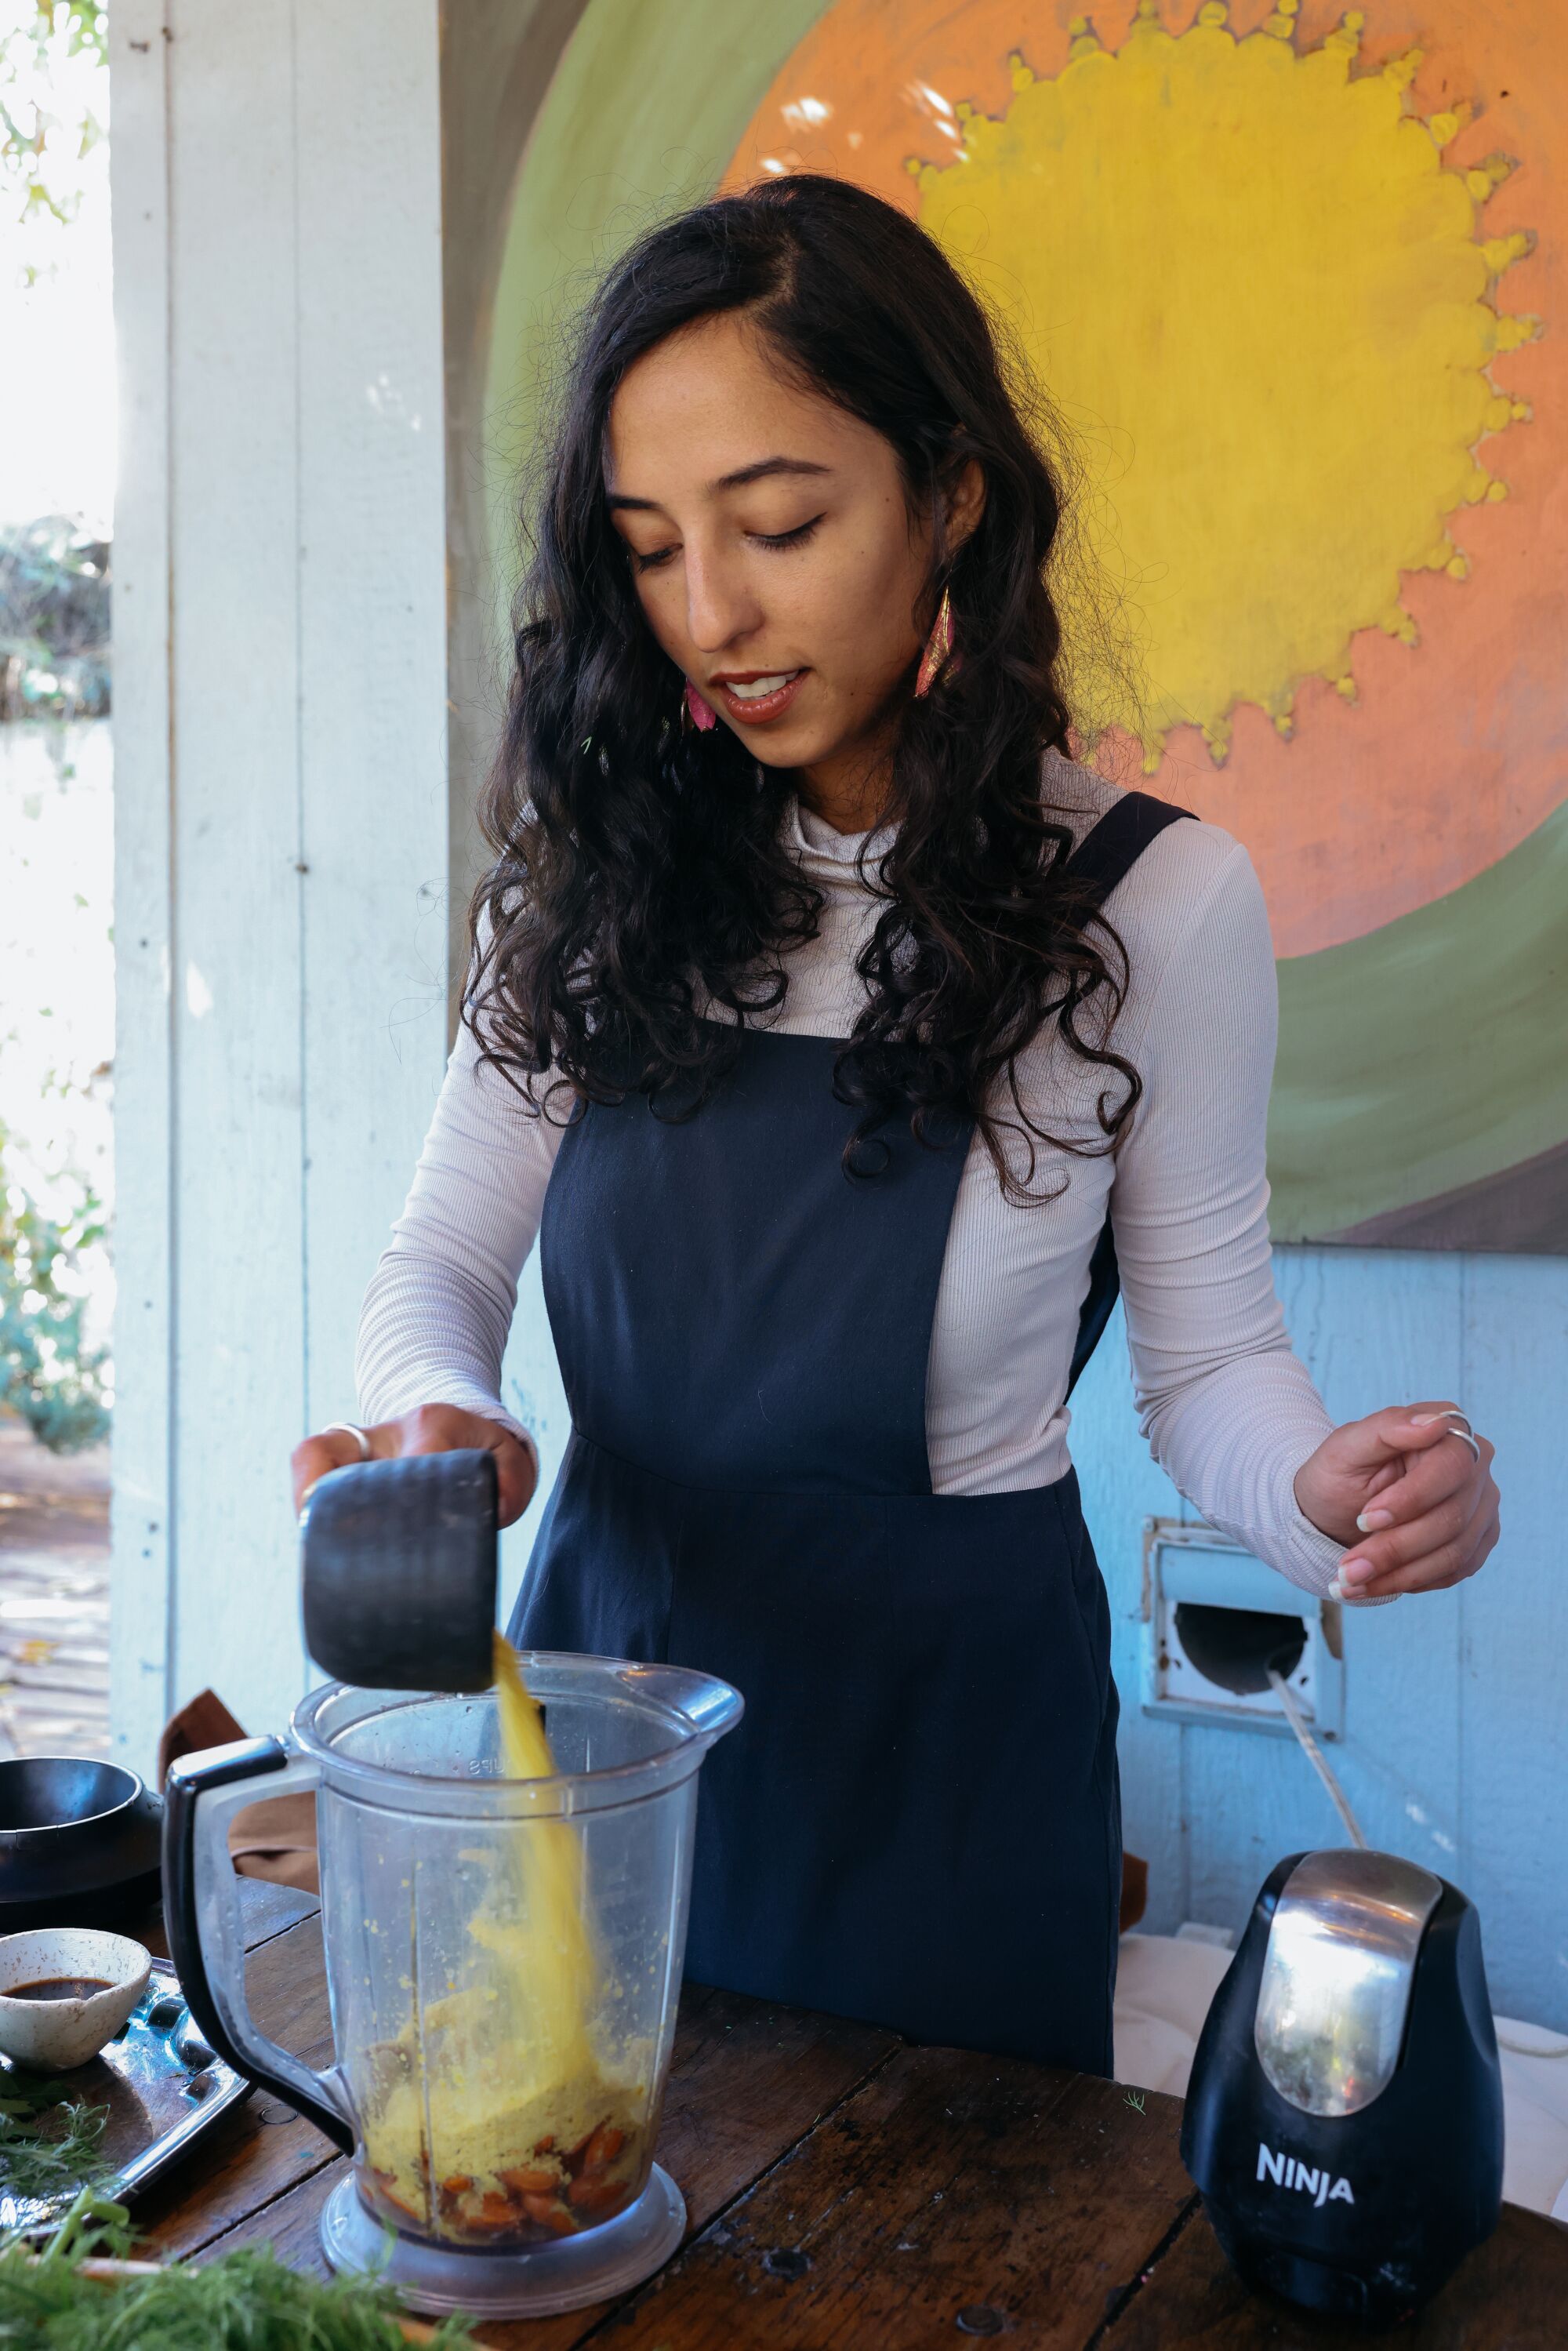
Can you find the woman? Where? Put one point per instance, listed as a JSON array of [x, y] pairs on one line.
[[826, 1023]]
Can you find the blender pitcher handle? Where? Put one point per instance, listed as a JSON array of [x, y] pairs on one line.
[[200, 1916]]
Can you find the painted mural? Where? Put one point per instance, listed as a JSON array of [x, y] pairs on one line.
[[1291, 280]]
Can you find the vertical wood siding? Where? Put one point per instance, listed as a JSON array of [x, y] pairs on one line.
[[281, 783], [143, 888], [1455, 1751]]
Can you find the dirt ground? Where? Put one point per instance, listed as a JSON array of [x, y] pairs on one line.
[[53, 1597]]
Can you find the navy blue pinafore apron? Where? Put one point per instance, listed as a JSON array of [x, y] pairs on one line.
[[918, 1821]]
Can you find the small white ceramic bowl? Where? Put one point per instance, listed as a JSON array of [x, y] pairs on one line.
[[50, 2035]]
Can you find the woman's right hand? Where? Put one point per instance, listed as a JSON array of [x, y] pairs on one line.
[[429, 1428]]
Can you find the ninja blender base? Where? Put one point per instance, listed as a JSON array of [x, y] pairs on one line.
[[441, 2278]]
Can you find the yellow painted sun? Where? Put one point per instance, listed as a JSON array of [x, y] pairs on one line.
[[1264, 306]]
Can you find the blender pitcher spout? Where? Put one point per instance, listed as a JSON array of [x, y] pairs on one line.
[[710, 1706]]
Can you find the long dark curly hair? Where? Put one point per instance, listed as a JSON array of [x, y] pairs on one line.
[[642, 895]]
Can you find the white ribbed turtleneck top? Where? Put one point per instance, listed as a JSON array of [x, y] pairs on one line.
[[1228, 1410]]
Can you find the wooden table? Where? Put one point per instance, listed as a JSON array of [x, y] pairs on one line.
[[846, 2192]]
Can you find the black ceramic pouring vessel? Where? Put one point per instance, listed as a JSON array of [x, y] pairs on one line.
[[398, 1567]]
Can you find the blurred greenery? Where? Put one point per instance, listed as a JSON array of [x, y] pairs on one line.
[[54, 621], [49, 1373], [54, 664], [39, 131]]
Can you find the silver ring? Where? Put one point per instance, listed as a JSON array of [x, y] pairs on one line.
[[351, 1428], [1465, 1435]]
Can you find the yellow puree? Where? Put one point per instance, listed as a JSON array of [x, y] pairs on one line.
[[509, 2059]]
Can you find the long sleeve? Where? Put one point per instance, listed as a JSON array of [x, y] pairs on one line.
[[1227, 1409], [1230, 1412], [433, 1326]]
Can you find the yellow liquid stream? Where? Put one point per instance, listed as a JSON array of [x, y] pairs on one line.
[[545, 1964], [503, 2119]]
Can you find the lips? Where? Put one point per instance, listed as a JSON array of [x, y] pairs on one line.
[[756, 699]]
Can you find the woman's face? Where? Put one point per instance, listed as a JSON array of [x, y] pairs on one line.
[[773, 551]]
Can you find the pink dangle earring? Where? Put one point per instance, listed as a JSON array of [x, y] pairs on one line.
[[939, 648], [697, 712]]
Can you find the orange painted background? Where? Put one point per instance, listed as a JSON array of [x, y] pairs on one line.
[[1454, 751]]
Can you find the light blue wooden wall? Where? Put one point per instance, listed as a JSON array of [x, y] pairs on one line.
[[1455, 1749]]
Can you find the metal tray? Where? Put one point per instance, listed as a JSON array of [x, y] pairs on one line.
[[162, 2086]]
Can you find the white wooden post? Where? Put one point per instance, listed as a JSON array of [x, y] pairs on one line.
[[281, 783], [143, 1547]]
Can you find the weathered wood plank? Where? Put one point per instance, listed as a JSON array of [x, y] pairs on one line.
[[54, 1597], [260, 2149], [236, 1132], [373, 647], [953, 2195], [1121, 1487], [747, 2084], [143, 882], [269, 1909], [280, 915], [1511, 1753], [266, 1910], [1509, 2295]]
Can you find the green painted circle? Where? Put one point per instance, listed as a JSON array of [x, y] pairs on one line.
[[1428, 1055]]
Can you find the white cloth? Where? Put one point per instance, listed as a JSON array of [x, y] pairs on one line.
[[1227, 1409]]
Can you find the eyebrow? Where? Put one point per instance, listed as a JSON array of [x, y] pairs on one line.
[[743, 474]]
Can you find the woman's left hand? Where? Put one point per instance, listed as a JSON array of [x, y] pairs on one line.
[[1403, 1486]]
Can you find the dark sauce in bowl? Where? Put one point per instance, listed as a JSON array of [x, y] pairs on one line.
[[58, 1988]]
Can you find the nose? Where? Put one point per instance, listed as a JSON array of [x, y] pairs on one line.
[[721, 604]]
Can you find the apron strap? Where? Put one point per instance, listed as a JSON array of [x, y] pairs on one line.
[[1111, 848], [1106, 853]]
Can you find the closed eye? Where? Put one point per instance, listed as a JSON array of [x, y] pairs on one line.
[[658, 556], [796, 537]]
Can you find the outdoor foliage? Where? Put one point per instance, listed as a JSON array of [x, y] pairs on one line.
[[54, 665], [49, 1373], [54, 621], [39, 135]]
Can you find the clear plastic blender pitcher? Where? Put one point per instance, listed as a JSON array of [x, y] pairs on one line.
[[503, 1962]]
